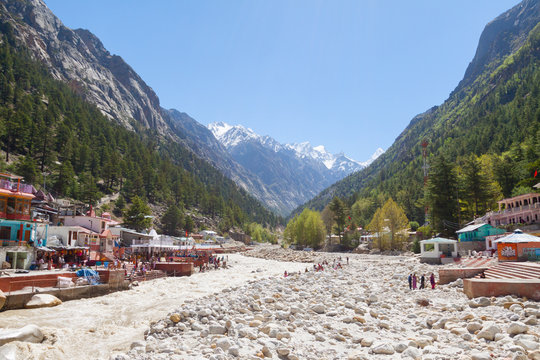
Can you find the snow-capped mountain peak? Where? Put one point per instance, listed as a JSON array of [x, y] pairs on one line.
[[373, 157], [233, 135], [230, 135]]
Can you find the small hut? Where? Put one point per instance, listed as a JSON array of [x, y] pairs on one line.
[[518, 246], [438, 250]]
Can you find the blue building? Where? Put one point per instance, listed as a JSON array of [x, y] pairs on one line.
[[18, 233], [477, 232]]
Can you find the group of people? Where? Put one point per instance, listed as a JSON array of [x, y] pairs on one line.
[[336, 264], [214, 261], [414, 280]]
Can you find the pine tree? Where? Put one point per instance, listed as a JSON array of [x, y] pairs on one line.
[[475, 186], [340, 213], [442, 192], [138, 215], [172, 220]]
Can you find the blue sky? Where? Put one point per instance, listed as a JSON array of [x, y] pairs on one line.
[[349, 75]]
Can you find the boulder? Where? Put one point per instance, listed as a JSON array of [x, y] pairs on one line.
[[480, 302], [223, 343], [217, 330], [423, 341], [517, 328], [234, 350], [489, 331], [400, 347], [175, 318], [367, 342], [29, 333], [42, 300], [384, 348], [282, 351], [412, 353], [319, 308], [474, 327], [480, 356], [8, 352]]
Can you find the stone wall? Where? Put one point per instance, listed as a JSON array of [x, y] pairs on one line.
[[529, 288], [447, 276]]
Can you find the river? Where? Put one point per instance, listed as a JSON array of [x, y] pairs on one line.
[[98, 327]]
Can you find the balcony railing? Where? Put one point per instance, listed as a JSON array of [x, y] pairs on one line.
[[12, 186], [6, 242], [518, 209]]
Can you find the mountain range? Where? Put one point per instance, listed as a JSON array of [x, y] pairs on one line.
[[296, 172], [499, 80], [78, 58]]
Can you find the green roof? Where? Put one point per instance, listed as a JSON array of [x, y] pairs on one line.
[[438, 240]]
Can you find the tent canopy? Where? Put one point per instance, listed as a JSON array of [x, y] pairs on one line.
[[516, 237]]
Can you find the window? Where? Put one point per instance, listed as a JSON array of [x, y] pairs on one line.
[[429, 247], [11, 205], [26, 207], [5, 233], [3, 204]]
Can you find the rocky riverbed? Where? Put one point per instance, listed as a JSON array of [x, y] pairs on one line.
[[362, 311]]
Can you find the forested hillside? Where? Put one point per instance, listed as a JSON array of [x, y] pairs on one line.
[[492, 119], [54, 135]]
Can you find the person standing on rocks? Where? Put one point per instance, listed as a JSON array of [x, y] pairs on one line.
[[410, 281], [422, 282], [414, 281], [432, 281]]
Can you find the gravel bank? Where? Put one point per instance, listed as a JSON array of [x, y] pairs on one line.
[[363, 311]]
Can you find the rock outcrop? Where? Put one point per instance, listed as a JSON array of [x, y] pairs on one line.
[[29, 333], [42, 300], [79, 58]]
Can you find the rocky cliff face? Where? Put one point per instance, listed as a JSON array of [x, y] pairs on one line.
[[501, 36], [78, 57]]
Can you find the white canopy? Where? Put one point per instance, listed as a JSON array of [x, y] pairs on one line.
[[517, 237]]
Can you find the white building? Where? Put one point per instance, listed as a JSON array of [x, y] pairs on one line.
[[438, 250]]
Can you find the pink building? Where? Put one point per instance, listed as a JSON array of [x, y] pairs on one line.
[[522, 209], [95, 224]]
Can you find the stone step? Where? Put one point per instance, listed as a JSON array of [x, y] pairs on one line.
[[530, 267], [513, 271], [508, 275]]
